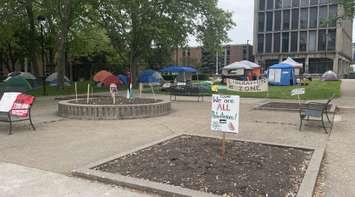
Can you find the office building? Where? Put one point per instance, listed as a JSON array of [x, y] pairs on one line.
[[305, 30]]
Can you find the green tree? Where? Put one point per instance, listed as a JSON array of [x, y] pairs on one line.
[[136, 27]]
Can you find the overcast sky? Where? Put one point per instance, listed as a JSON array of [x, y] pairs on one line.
[[243, 16]]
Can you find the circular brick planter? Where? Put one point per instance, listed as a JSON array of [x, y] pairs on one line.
[[69, 109]]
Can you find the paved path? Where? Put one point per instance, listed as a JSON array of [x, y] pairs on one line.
[[61, 145], [19, 181], [339, 165], [347, 98]]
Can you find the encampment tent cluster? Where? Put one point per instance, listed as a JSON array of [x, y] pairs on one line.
[[20, 82]]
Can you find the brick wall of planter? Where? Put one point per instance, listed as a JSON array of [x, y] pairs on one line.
[[112, 112]]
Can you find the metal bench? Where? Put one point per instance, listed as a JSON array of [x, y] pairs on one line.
[[15, 112], [317, 111], [187, 90]]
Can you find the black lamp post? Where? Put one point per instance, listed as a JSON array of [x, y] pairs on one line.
[[41, 20]]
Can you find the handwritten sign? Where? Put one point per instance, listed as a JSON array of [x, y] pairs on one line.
[[225, 113], [298, 91], [248, 86], [113, 89]]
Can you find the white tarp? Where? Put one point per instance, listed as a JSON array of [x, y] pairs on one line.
[[245, 64], [7, 101], [293, 63], [274, 75]]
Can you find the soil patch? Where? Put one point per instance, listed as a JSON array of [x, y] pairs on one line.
[[249, 169], [107, 100]]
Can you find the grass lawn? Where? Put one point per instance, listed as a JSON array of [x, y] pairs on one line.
[[316, 90], [68, 90]]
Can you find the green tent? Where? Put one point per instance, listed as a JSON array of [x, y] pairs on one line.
[[17, 83]]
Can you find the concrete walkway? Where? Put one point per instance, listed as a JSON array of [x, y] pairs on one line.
[[61, 145], [339, 164], [19, 181]]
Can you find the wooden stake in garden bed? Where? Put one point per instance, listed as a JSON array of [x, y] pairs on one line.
[[223, 147]]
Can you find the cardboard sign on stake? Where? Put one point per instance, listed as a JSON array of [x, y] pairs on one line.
[[225, 116]]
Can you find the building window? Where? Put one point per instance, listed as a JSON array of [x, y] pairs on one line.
[[261, 21], [286, 20], [261, 4], [260, 43], [270, 4], [314, 2], [268, 43], [332, 15], [277, 20], [278, 4], [331, 39], [304, 18], [322, 42], [295, 3], [285, 41], [294, 39], [286, 3], [295, 17], [312, 41], [277, 42], [323, 1], [304, 3], [303, 41], [313, 15], [269, 21], [323, 16]]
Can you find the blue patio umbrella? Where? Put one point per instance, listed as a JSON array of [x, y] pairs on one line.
[[178, 69], [123, 78], [149, 76]]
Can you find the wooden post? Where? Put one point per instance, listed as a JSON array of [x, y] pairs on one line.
[[88, 95], [76, 92], [223, 148]]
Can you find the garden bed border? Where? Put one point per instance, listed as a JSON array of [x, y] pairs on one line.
[[306, 188]]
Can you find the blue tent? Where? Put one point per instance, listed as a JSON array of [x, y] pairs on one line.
[[282, 75], [149, 76], [123, 78], [178, 69]]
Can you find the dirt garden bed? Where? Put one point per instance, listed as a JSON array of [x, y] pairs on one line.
[[193, 162]]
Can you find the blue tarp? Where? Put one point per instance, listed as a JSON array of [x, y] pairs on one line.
[[282, 75], [123, 78], [149, 76], [178, 69]]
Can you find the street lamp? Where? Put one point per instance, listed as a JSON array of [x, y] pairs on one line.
[[41, 21]]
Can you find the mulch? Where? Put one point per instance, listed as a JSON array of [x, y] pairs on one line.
[[249, 169]]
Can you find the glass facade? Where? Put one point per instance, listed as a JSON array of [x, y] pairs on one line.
[[268, 43], [285, 42], [277, 25], [294, 43], [296, 26], [269, 21], [277, 42], [295, 18], [286, 20]]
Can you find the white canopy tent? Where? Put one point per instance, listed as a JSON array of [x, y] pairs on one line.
[[352, 68], [296, 65]]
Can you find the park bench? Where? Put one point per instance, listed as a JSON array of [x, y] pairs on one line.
[[15, 107], [187, 90], [317, 111]]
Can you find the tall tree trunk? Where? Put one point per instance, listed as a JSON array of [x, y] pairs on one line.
[[62, 39], [32, 45]]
